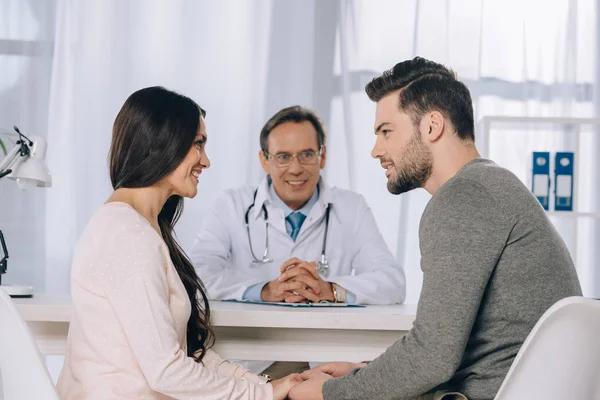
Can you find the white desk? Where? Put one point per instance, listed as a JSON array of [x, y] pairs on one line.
[[257, 332]]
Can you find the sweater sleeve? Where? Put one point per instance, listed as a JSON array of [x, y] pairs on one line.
[[136, 286], [462, 236], [223, 367]]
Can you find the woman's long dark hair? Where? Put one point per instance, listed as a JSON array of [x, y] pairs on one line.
[[152, 134]]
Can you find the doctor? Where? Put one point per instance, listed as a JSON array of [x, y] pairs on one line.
[[293, 238]]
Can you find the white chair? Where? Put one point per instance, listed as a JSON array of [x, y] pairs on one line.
[[23, 374], [560, 359]]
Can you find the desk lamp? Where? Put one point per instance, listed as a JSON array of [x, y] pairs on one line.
[[25, 165]]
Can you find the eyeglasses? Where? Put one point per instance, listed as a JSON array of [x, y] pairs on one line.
[[306, 157]]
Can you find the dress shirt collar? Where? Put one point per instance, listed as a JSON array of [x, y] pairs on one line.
[[263, 196], [305, 209]]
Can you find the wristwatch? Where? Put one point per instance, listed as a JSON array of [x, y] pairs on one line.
[[339, 293], [268, 378]]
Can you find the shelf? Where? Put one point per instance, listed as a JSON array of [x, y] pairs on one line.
[[572, 214], [539, 120]]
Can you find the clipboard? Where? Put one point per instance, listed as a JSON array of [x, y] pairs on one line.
[[299, 305]]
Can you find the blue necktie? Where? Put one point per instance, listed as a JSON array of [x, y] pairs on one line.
[[295, 219]]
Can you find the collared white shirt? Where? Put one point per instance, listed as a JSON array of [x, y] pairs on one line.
[[305, 209], [359, 259]]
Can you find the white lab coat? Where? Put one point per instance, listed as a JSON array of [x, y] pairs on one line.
[[359, 259]]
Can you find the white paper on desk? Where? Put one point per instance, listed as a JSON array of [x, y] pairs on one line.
[[297, 304]]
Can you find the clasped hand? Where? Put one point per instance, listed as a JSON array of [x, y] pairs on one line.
[[299, 282], [309, 384]]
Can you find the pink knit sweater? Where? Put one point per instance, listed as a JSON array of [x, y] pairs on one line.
[[127, 338]]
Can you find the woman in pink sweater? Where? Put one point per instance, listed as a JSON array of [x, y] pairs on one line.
[[140, 328]]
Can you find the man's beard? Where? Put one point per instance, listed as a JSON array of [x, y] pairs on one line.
[[413, 167]]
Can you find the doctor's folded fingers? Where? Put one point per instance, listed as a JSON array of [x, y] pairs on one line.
[[307, 294], [291, 262], [293, 286], [311, 283], [301, 268], [277, 291]]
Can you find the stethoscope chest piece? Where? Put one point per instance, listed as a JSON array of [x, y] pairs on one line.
[[323, 266]]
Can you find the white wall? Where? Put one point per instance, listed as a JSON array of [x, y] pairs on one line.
[[69, 65]]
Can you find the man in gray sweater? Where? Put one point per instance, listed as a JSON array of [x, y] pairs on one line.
[[492, 261]]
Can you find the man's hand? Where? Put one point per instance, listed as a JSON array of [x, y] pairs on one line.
[[277, 290], [337, 369], [315, 288], [311, 388], [281, 387]]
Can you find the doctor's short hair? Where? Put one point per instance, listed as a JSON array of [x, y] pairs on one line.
[[426, 86], [292, 114]]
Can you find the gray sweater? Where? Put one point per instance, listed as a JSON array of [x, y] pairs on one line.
[[492, 264]]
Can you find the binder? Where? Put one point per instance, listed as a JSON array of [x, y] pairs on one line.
[[563, 181], [540, 182]]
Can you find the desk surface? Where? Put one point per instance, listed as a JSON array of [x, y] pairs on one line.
[[255, 331], [57, 308]]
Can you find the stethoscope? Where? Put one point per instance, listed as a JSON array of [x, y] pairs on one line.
[[322, 264]]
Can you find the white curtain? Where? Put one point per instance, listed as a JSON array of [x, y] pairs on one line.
[[244, 60], [214, 52], [26, 47]]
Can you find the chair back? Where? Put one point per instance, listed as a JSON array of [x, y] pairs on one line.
[[23, 373], [560, 359]]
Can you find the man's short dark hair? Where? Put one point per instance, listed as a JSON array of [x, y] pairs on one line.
[[292, 114], [426, 86]]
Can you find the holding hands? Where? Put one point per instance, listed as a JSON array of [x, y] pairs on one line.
[[311, 387], [299, 282], [281, 387], [339, 368]]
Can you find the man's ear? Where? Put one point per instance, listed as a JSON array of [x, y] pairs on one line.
[[264, 162], [323, 157], [432, 126]]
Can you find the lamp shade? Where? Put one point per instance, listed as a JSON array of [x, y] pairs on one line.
[[31, 170]]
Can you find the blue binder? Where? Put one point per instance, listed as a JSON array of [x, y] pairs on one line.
[[563, 181], [540, 182]]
